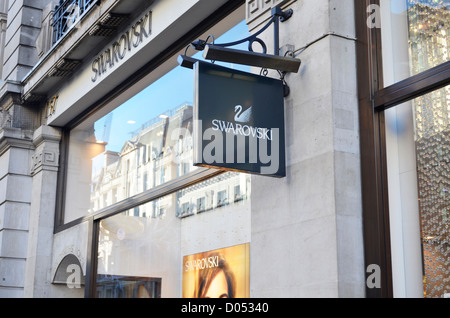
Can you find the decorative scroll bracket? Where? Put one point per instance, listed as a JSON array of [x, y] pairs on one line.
[[222, 52], [277, 16]]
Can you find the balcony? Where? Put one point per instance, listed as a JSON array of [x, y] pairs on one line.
[[75, 29], [66, 15]]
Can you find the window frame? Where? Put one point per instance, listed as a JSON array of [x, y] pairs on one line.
[[374, 99]]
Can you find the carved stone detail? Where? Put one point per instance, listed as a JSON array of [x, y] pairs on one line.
[[46, 154], [255, 9], [44, 159], [5, 118]]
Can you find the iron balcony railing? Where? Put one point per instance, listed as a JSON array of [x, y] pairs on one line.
[[67, 14]]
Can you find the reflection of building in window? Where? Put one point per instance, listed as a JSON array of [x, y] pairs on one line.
[[105, 200], [144, 181], [113, 286], [160, 152], [155, 154], [185, 208], [157, 208], [214, 193], [237, 193], [114, 195], [200, 204], [222, 198]]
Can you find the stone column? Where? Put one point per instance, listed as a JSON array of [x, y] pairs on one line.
[[15, 196], [3, 23], [307, 227], [24, 23], [44, 169]]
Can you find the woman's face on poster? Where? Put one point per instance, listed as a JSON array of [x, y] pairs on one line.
[[218, 287]]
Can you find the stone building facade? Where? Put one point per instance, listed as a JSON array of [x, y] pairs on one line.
[[91, 207]]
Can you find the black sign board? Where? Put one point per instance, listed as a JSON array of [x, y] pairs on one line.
[[238, 121]]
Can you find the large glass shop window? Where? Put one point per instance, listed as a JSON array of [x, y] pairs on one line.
[[193, 243], [190, 243], [418, 163], [416, 38], [143, 143], [432, 139]]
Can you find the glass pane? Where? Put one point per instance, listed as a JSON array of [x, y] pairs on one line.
[[415, 36], [432, 113], [165, 247], [141, 144], [418, 153]]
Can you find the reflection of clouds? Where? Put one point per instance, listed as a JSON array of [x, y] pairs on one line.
[[122, 226]]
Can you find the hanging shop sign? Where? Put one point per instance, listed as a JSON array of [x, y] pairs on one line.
[[238, 121]]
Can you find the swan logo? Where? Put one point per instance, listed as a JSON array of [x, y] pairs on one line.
[[242, 117]]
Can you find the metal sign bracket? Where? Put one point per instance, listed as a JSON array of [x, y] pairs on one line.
[[222, 52]]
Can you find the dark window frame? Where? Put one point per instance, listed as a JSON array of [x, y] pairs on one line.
[[374, 98]]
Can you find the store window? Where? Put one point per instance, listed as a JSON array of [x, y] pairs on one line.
[[142, 144], [168, 252], [432, 113], [415, 38], [162, 227], [418, 144]]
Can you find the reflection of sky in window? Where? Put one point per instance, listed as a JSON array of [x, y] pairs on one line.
[[174, 89]]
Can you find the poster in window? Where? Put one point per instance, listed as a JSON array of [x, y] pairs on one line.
[[222, 273]]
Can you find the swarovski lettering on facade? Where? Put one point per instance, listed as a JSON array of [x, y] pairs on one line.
[[127, 41]]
